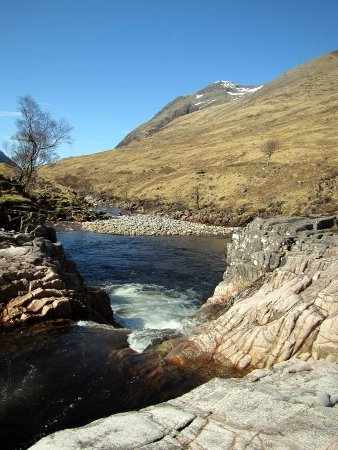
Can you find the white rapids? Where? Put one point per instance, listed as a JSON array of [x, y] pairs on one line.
[[148, 307]]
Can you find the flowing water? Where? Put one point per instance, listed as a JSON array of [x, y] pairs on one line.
[[61, 376]]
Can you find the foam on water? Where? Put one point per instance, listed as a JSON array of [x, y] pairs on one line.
[[90, 323], [152, 311], [150, 306], [149, 278], [147, 308], [140, 340]]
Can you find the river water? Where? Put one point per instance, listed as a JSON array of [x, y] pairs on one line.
[[61, 376], [153, 281]]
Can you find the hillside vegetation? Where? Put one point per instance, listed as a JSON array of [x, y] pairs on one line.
[[212, 159], [54, 200]]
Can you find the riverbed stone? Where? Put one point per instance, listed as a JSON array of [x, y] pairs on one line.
[[146, 225]]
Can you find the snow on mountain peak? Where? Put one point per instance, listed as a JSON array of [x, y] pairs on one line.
[[234, 90], [226, 84], [240, 91]]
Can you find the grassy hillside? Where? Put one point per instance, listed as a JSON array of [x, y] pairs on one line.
[[215, 155], [49, 197]]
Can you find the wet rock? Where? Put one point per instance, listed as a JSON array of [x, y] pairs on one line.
[[144, 339], [98, 303]]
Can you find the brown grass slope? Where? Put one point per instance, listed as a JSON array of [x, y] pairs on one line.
[[299, 110]]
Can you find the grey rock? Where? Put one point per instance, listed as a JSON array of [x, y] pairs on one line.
[[279, 412], [301, 366], [325, 399], [258, 374], [146, 225], [334, 399], [268, 314]]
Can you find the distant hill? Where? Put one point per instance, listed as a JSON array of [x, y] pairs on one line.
[[5, 160], [214, 155], [217, 93]]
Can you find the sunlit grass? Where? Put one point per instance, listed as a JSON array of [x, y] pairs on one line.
[[219, 149]]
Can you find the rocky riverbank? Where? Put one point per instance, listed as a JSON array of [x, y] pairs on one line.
[[278, 301], [37, 281], [141, 225], [231, 217], [56, 202]]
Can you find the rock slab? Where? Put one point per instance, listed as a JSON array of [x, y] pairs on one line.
[[279, 408]]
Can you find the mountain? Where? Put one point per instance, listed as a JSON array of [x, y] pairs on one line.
[[216, 93], [5, 160], [212, 159]]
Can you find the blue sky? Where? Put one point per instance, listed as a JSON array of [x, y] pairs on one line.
[[109, 65]]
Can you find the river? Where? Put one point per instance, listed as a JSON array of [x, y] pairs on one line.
[[61, 376]]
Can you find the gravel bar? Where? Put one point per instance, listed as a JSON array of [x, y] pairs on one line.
[[146, 225]]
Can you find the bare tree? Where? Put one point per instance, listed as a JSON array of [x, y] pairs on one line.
[[37, 137], [196, 196], [269, 147]]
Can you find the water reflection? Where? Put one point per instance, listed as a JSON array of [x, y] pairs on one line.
[[60, 375]]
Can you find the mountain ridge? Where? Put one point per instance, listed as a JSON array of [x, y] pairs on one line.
[[217, 93], [5, 159]]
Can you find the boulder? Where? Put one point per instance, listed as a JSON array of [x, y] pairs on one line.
[[38, 282]]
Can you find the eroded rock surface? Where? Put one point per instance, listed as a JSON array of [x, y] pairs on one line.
[[263, 246], [37, 281], [278, 300], [293, 405]]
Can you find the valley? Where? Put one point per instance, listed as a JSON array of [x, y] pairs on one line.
[[180, 290], [212, 160]]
